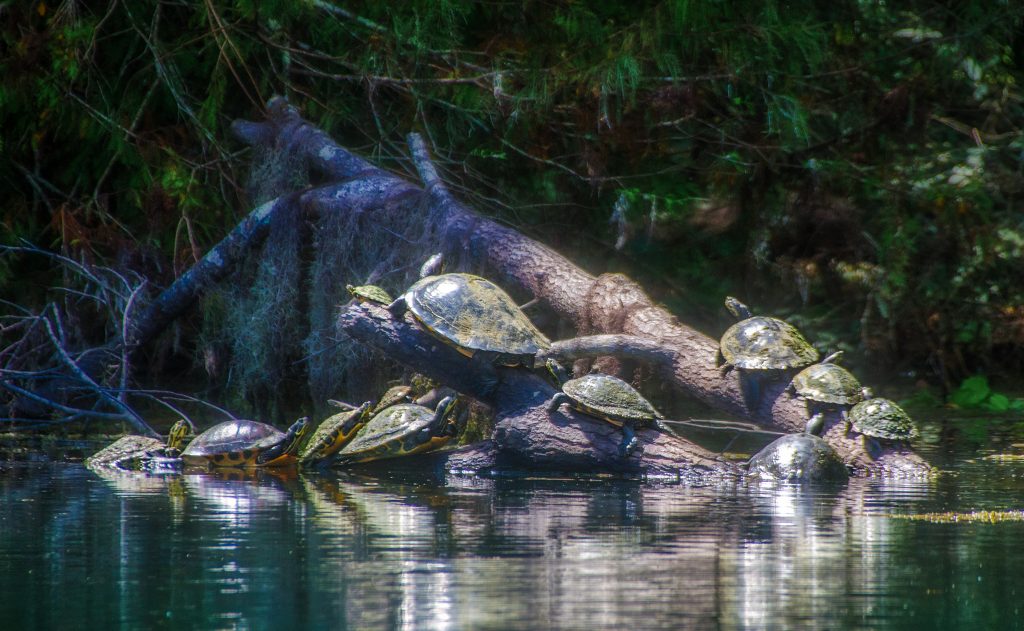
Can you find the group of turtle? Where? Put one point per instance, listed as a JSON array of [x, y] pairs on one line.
[[481, 321], [393, 427], [764, 348]]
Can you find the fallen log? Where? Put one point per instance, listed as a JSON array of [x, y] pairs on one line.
[[605, 304], [526, 435]]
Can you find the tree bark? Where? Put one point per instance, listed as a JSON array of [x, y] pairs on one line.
[[605, 304]]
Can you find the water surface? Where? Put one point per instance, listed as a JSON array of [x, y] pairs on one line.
[[336, 550]]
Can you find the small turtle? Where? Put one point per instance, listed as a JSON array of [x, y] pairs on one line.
[[826, 385], [392, 396], [242, 443], [878, 420], [608, 398], [474, 316], [142, 452], [370, 293], [334, 432], [798, 458], [760, 345], [401, 430]]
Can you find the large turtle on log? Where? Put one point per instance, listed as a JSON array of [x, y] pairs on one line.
[[401, 430], [474, 316], [826, 385], [244, 443], [760, 346], [608, 398]]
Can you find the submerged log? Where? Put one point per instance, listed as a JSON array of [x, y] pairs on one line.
[[604, 304]]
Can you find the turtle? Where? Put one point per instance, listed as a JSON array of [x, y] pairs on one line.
[[826, 385], [759, 346], [879, 419], [392, 396], [143, 452], [244, 443], [798, 458], [370, 293], [608, 398], [334, 432], [401, 430], [474, 316]]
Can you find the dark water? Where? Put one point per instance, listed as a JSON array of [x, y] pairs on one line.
[[339, 551]]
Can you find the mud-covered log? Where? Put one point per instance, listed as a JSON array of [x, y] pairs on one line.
[[527, 435]]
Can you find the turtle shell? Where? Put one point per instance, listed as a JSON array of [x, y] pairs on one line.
[[384, 435], [765, 343], [371, 293], [828, 383], [473, 314], [333, 433], [797, 458], [239, 440], [393, 396], [882, 418], [123, 450], [610, 398]]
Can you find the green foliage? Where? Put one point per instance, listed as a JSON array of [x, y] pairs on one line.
[[860, 162], [975, 393]]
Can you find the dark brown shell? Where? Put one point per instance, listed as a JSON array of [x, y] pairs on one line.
[[882, 418], [765, 343], [473, 314], [387, 427], [610, 398], [828, 383], [233, 436]]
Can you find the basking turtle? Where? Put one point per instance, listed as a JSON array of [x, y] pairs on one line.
[[370, 293], [608, 398], [881, 420], [759, 345], [401, 430], [392, 396], [473, 315], [798, 458], [242, 443], [143, 452], [826, 385], [334, 432]]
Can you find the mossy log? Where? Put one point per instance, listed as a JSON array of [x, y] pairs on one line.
[[595, 305]]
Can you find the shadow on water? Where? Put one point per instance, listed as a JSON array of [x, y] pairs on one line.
[[342, 550]]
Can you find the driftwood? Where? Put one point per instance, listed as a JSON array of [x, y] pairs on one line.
[[595, 306]]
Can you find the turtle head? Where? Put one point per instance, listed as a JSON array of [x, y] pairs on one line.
[[738, 310], [293, 438], [176, 437], [555, 370], [833, 358], [443, 423], [867, 393], [432, 265]]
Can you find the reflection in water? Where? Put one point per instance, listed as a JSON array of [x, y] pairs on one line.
[[340, 551]]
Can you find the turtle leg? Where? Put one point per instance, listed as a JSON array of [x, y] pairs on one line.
[[629, 440], [665, 429], [485, 365], [750, 386], [723, 366], [558, 400], [398, 307], [815, 424]]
